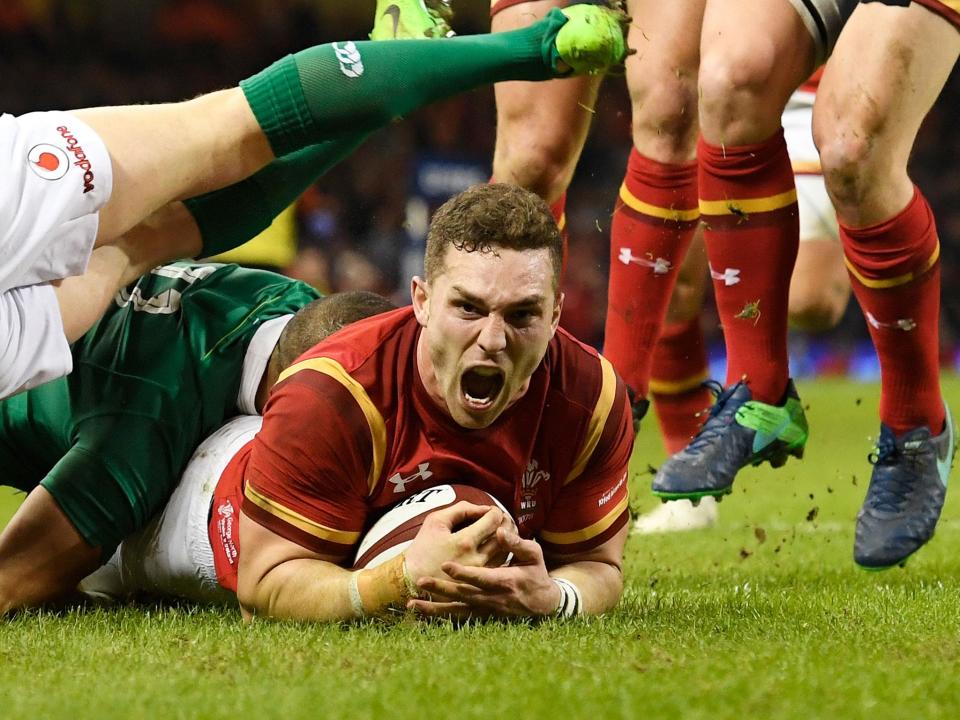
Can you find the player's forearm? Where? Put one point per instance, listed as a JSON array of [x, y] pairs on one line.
[[299, 589], [306, 589], [600, 584]]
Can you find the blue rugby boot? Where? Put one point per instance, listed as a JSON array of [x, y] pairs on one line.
[[739, 431], [906, 494]]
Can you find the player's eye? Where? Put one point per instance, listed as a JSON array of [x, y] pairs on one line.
[[467, 309], [522, 318]]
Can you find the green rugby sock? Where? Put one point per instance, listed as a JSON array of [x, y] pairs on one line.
[[329, 90], [232, 215]]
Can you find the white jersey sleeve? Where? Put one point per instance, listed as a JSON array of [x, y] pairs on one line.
[[33, 348], [57, 174]]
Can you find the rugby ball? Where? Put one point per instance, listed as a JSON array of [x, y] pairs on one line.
[[394, 532]]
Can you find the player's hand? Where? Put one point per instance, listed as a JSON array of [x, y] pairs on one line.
[[524, 589], [437, 543]]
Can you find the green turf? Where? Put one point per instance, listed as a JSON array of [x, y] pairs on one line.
[[763, 617]]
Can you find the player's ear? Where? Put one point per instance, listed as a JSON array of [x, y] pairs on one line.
[[557, 308], [420, 295]]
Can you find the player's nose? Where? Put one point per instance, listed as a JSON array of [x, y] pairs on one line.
[[493, 335]]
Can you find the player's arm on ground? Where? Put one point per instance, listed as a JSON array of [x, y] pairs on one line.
[[581, 544], [312, 465]]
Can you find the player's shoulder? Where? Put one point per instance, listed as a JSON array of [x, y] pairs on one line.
[[377, 343], [578, 373]]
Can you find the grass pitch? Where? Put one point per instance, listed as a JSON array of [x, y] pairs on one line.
[[763, 616]]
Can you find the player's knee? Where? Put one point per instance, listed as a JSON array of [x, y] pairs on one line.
[[12, 595], [733, 85], [814, 310], [848, 155], [543, 168], [685, 303], [665, 116]]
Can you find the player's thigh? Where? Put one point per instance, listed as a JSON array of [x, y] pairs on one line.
[[888, 68], [121, 471], [754, 53], [662, 77], [541, 127]]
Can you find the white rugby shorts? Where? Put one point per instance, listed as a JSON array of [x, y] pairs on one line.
[[172, 556], [57, 175], [818, 220], [33, 348]]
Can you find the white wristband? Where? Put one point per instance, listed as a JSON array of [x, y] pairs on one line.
[[356, 603], [571, 601]]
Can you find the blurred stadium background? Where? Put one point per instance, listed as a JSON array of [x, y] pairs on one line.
[[363, 225]]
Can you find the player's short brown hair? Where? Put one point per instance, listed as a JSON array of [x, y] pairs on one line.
[[323, 317], [490, 216]]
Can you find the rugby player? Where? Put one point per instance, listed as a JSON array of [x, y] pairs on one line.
[[474, 384], [180, 351], [819, 293], [97, 173], [869, 108]]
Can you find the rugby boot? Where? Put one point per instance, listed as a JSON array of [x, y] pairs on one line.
[[593, 39], [638, 408], [906, 493], [411, 19], [678, 516], [739, 431]]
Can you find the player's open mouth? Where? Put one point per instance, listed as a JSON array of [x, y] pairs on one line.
[[481, 386]]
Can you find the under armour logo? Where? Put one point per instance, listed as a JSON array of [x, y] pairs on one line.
[[349, 58], [661, 266], [400, 482], [730, 276], [905, 324]]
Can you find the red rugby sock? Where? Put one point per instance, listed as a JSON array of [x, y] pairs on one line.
[[679, 368], [653, 225], [895, 274], [748, 204], [559, 211]]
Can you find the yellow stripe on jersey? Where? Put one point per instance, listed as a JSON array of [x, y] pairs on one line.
[[601, 411], [635, 203], [894, 281], [591, 531], [294, 518], [378, 429], [747, 206], [676, 387], [562, 222]]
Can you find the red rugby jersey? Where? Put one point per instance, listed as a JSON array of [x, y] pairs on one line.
[[349, 431]]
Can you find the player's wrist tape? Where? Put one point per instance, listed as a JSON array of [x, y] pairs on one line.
[[378, 589], [571, 601]]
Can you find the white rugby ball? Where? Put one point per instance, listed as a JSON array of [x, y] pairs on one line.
[[394, 532]]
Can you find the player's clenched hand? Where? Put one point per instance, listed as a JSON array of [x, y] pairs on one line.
[[437, 542], [523, 589]]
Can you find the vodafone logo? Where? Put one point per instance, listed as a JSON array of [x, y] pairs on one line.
[[48, 161]]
